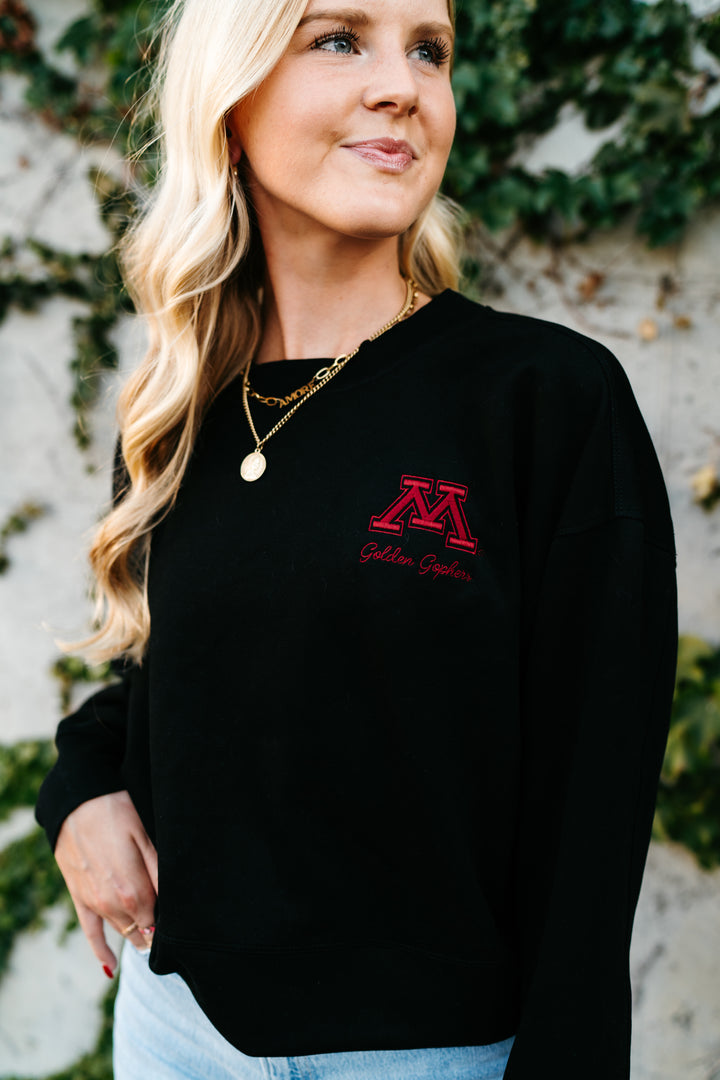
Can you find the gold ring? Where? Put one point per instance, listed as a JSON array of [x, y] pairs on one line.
[[129, 929]]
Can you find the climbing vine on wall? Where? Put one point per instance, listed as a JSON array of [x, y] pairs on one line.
[[30, 881], [70, 671], [92, 279], [17, 522], [651, 69], [688, 806]]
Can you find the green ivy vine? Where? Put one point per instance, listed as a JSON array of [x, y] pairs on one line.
[[688, 805], [70, 671], [17, 522], [30, 881], [92, 279], [623, 61]]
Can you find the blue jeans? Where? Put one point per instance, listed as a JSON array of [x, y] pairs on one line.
[[161, 1033]]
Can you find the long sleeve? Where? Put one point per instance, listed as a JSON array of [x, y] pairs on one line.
[[91, 745], [91, 740], [598, 675]]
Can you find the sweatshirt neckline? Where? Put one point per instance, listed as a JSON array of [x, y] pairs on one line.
[[280, 377]]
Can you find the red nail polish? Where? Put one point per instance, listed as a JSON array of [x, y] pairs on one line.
[[108, 971]]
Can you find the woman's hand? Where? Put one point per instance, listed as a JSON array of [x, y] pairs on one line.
[[110, 867]]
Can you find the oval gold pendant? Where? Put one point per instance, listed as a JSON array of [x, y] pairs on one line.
[[253, 466]]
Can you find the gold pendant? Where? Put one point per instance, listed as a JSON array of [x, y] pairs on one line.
[[253, 466]]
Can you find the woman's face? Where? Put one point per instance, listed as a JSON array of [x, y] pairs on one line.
[[352, 129]]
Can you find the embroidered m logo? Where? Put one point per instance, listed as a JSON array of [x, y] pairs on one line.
[[447, 509]]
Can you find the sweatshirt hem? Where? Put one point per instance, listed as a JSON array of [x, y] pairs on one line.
[[368, 996]]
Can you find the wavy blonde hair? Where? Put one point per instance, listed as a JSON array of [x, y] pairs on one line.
[[194, 265]]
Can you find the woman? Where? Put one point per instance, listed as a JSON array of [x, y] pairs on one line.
[[393, 577]]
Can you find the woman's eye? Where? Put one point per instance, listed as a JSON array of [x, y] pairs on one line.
[[435, 52], [339, 41]]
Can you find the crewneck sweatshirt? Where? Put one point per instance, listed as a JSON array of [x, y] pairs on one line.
[[398, 730]]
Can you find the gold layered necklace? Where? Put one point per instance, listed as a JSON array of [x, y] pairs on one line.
[[255, 463]]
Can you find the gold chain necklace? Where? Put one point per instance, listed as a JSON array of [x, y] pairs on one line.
[[254, 464], [282, 402]]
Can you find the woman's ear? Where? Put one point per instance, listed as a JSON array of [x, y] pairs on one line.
[[234, 147]]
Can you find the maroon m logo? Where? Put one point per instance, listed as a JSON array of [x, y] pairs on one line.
[[447, 508]]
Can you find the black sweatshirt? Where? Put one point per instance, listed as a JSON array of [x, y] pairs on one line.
[[398, 731]]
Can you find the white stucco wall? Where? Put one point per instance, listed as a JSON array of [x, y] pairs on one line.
[[48, 1012]]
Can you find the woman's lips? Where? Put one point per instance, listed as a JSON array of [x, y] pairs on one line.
[[392, 155]]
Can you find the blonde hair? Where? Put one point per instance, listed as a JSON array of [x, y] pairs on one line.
[[193, 263]]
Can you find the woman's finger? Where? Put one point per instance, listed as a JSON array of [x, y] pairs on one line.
[[134, 899], [149, 855], [133, 932], [94, 930]]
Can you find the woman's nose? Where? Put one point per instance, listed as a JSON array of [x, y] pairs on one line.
[[392, 86]]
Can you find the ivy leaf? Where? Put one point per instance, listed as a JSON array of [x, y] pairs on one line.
[[81, 39], [691, 651], [661, 106]]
